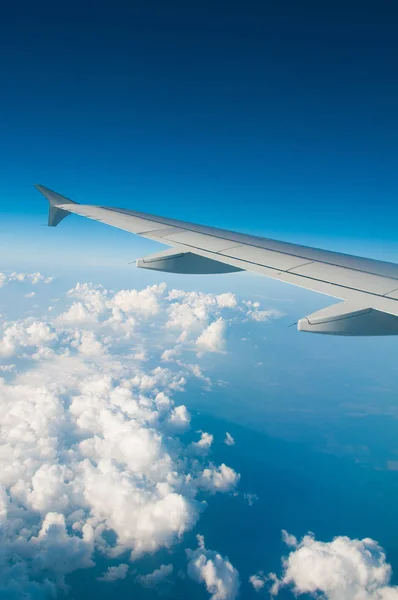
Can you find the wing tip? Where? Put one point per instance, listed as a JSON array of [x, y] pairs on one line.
[[55, 213]]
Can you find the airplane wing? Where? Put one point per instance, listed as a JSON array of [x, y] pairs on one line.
[[368, 288]]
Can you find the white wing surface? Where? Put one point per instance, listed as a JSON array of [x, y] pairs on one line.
[[368, 288]]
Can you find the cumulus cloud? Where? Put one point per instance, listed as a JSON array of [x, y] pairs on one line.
[[83, 454], [170, 354], [179, 418], [212, 338], [215, 571], [258, 581], [35, 561], [54, 549], [178, 321], [343, 569], [204, 444], [229, 440], [17, 335], [289, 539], [143, 302], [219, 479], [153, 579], [33, 278], [227, 300], [93, 458], [256, 313], [114, 573]]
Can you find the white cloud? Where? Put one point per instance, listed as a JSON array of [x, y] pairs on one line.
[[258, 581], [256, 313], [227, 300], [229, 440], [199, 320], [216, 572], [264, 315], [114, 573], [87, 343], [54, 549], [88, 433], [91, 460], [180, 419], [153, 579], [343, 569], [169, 354], [197, 371], [88, 454], [30, 295], [212, 339], [289, 539], [140, 355], [21, 334], [77, 313], [204, 444], [144, 302], [219, 479], [33, 278]]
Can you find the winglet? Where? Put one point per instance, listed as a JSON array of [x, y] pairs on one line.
[[57, 205]]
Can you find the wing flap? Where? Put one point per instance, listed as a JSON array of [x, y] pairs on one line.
[[200, 240], [268, 258], [357, 280]]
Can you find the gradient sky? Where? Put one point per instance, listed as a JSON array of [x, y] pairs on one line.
[[277, 118]]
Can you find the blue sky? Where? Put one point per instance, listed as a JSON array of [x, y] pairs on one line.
[[273, 118]]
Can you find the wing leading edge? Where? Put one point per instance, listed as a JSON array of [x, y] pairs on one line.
[[368, 288]]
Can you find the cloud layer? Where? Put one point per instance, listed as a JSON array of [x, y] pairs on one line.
[[92, 452]]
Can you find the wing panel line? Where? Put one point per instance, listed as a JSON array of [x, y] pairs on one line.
[[296, 275], [182, 229], [186, 226]]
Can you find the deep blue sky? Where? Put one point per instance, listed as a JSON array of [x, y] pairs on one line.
[[278, 118]]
